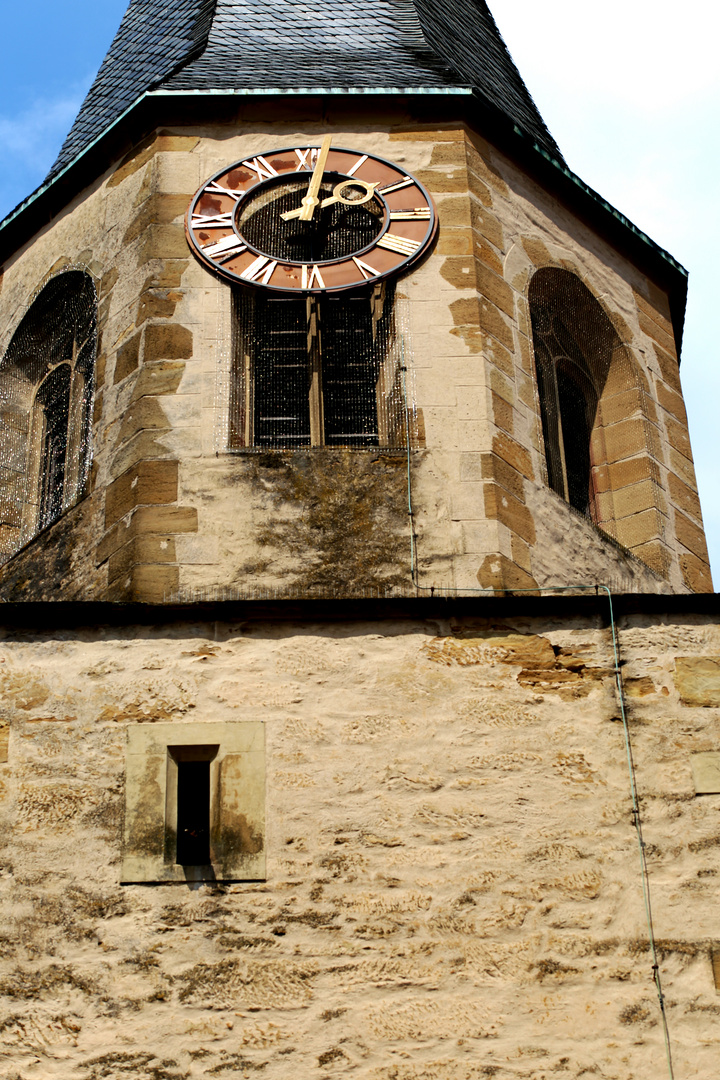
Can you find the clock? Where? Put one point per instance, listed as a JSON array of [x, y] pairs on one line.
[[309, 219]]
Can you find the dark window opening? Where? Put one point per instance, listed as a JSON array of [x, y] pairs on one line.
[[193, 813], [317, 371], [574, 342], [576, 427]]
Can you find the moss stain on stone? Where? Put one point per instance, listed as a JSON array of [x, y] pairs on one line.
[[341, 515]]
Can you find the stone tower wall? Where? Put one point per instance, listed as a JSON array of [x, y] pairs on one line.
[[452, 878], [170, 512]]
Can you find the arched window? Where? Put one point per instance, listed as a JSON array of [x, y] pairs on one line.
[[574, 343], [46, 391]]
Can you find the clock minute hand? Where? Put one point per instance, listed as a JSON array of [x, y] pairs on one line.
[[311, 199]]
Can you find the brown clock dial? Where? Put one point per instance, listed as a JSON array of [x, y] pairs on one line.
[[310, 219]]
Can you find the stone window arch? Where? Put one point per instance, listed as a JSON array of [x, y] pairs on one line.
[[599, 423], [46, 393]]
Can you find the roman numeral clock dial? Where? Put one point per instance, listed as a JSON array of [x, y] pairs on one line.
[[310, 219]]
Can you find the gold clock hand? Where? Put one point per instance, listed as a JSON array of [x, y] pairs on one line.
[[311, 200], [337, 196]]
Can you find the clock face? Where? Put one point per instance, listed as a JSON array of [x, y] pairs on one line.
[[310, 219]]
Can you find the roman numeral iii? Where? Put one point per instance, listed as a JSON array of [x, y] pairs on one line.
[[401, 244]]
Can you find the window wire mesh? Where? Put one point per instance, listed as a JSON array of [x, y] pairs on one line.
[[46, 391], [575, 345], [318, 371]]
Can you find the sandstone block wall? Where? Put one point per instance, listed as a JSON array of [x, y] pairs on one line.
[[171, 512], [453, 884]]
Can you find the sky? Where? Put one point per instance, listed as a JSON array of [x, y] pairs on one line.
[[632, 97]]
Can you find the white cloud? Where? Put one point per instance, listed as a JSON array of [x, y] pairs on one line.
[[650, 54], [31, 140], [37, 130]]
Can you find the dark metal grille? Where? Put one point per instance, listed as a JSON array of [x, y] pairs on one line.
[[54, 396], [317, 371], [281, 405], [350, 371]]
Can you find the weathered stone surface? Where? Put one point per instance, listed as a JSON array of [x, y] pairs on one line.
[[537, 251], [500, 505], [513, 453], [158, 377], [4, 742], [447, 808], [684, 497], [503, 575], [623, 406], [494, 468], [158, 209], [497, 291], [486, 223], [668, 367], [691, 535], [149, 482], [128, 358], [652, 328], [624, 473], [162, 242], [143, 153], [678, 436], [672, 401], [696, 573], [171, 342], [144, 414], [638, 529], [503, 415], [697, 680], [626, 439], [153, 583], [454, 212], [157, 304], [59, 562]]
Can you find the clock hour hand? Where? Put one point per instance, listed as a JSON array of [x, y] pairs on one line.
[[336, 196], [311, 199]]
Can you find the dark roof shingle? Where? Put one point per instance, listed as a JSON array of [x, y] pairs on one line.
[[196, 45]]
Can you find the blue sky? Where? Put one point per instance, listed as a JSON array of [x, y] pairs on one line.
[[631, 92]]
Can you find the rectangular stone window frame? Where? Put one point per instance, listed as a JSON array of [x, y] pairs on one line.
[[236, 753]]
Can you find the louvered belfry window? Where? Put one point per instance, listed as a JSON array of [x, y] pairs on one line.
[[316, 371], [574, 343]]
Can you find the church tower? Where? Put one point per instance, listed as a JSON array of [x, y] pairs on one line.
[[359, 661], [205, 395]]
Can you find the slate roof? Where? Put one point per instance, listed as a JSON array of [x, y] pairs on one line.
[[203, 45]]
